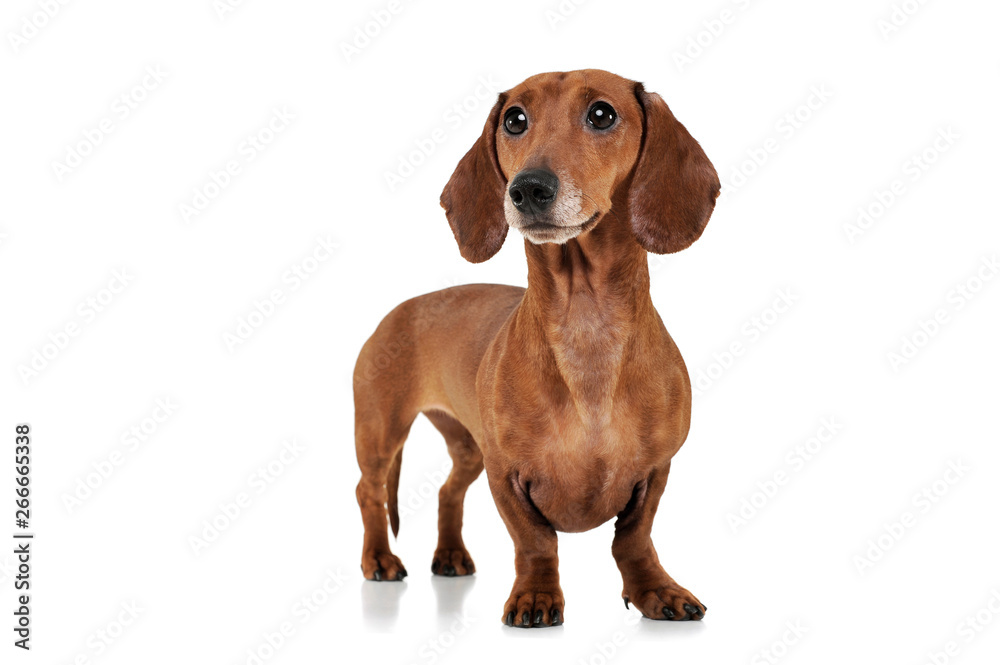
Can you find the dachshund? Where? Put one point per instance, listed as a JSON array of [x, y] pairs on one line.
[[570, 393]]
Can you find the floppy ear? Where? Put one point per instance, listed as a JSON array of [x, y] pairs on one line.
[[674, 186], [473, 198]]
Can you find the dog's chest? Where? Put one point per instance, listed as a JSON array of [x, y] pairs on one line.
[[588, 354], [584, 418], [581, 477]]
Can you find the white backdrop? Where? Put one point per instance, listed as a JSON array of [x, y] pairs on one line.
[[208, 206]]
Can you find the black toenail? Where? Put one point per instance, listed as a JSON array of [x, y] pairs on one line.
[[556, 619], [538, 617], [667, 612], [510, 619], [525, 619], [400, 575], [691, 610], [626, 602], [448, 570], [435, 566], [378, 575]]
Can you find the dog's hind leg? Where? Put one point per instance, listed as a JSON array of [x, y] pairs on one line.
[[451, 558], [379, 439]]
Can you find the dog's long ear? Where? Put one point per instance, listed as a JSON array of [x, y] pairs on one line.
[[674, 186], [473, 197]]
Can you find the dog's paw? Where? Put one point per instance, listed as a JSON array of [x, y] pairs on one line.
[[670, 602], [451, 562], [382, 566], [527, 609]]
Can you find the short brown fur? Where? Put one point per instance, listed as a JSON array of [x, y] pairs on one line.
[[571, 393]]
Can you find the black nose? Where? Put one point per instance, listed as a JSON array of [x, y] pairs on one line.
[[533, 192]]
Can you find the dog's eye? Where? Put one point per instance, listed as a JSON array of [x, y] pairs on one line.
[[515, 121], [601, 115]]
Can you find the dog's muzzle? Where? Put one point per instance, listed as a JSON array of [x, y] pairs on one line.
[[545, 209]]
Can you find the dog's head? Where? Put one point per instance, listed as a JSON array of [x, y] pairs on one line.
[[558, 148]]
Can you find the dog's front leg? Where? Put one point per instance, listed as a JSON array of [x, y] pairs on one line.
[[647, 585], [536, 598]]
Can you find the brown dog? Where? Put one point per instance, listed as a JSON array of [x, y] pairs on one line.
[[571, 393]]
